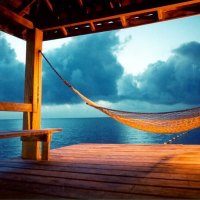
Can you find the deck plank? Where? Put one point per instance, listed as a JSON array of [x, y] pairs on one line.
[[106, 171]]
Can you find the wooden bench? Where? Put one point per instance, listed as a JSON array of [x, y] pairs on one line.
[[41, 135]]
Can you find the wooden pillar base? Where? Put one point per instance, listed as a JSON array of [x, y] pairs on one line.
[[46, 146], [31, 150], [45, 150]]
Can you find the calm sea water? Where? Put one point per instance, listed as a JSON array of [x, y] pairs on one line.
[[89, 130]]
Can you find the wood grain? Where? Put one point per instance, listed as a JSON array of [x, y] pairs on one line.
[[33, 91], [20, 133], [16, 107], [95, 171]]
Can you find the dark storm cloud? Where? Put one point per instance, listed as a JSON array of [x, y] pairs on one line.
[[88, 63], [11, 74], [175, 81]]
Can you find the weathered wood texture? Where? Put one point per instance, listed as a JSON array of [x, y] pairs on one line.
[[70, 18], [9, 15], [15, 107], [20, 133], [33, 77], [33, 91], [104, 171]]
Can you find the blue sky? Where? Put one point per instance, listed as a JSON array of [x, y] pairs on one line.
[[148, 68]]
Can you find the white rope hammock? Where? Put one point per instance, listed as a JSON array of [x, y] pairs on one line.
[[166, 122]]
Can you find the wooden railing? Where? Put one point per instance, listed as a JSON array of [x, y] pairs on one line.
[[16, 107]]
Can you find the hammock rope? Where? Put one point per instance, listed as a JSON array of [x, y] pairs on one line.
[[162, 123], [176, 138]]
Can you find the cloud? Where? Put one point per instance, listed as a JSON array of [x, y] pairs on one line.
[[175, 81], [89, 64], [11, 74]]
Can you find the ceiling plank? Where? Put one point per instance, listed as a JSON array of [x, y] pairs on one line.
[[50, 7], [13, 17], [65, 19], [97, 18]]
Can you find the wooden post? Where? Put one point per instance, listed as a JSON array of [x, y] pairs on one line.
[[46, 147], [33, 92]]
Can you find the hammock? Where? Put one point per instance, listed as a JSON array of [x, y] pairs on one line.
[[165, 122]]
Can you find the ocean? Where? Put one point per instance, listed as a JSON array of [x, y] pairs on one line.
[[89, 130]]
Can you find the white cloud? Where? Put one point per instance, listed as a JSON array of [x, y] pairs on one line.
[[153, 42], [70, 111], [18, 45]]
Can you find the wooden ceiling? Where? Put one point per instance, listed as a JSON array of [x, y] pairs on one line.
[[66, 18]]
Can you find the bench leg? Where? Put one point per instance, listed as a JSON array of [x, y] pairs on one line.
[[45, 150], [31, 150], [31, 147], [46, 147]]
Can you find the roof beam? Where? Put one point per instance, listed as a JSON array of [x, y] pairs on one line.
[[23, 10], [123, 21], [8, 14], [122, 16], [92, 26], [160, 14], [49, 5], [64, 31], [80, 2]]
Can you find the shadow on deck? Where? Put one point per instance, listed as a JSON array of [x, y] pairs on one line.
[[92, 171]]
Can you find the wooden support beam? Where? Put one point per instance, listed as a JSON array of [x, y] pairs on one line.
[[80, 2], [98, 18], [8, 14], [161, 14], [123, 21], [111, 5], [49, 5], [46, 147], [16, 107], [120, 5], [92, 26], [23, 10], [33, 90], [33, 76], [64, 31]]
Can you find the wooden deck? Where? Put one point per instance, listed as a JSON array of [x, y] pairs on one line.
[[92, 171]]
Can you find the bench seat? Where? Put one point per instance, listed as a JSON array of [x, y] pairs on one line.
[[19, 133], [31, 142]]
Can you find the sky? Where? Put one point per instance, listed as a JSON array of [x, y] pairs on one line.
[[150, 68]]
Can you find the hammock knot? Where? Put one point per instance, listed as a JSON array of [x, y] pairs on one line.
[[66, 83]]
